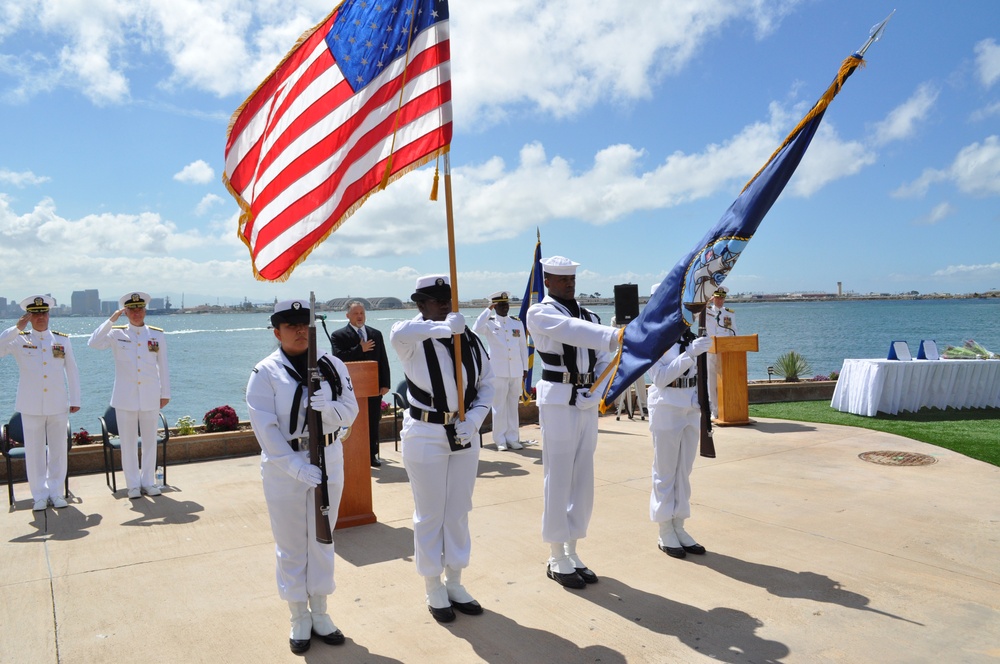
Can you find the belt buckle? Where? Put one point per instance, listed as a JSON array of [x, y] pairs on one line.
[[449, 417]]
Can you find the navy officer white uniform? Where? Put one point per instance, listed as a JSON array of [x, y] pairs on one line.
[[48, 389], [719, 321], [675, 422], [506, 338], [277, 400], [142, 387], [574, 349], [440, 452]]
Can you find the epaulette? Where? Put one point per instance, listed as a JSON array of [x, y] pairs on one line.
[[158, 329], [118, 327], [729, 310], [24, 332], [61, 334], [514, 318]]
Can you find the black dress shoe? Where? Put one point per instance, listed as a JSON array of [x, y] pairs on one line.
[[447, 614], [299, 646], [673, 551], [571, 580], [334, 638], [586, 575], [472, 608], [696, 549], [376, 463]]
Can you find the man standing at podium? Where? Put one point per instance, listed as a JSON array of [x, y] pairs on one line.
[[719, 322]]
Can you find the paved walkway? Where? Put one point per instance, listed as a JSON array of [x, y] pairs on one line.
[[814, 556]]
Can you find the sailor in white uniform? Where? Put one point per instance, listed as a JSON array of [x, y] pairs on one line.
[[48, 389], [574, 349], [509, 356], [441, 452], [142, 387], [675, 421], [277, 400], [719, 321]]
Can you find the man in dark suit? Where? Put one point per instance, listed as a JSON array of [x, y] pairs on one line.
[[357, 342]]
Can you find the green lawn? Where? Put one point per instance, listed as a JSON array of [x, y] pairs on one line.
[[972, 432]]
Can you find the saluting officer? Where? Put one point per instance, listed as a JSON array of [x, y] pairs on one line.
[[46, 366], [574, 348], [719, 323], [441, 452], [509, 357], [142, 387]]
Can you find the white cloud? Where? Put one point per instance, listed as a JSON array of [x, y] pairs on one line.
[[207, 202], [988, 62], [21, 179], [938, 213], [975, 171], [197, 172], [902, 121], [988, 270], [985, 113]]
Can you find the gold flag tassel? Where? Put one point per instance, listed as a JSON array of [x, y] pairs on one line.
[[434, 187]]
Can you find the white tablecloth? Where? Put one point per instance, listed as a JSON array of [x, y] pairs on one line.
[[866, 387]]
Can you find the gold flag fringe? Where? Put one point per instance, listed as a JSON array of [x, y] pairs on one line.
[[434, 187]]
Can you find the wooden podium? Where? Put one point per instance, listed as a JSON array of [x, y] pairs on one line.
[[734, 407], [356, 503]]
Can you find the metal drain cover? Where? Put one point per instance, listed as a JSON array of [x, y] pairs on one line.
[[888, 458]]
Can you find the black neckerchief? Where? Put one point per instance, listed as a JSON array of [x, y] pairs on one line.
[[572, 305], [299, 365]]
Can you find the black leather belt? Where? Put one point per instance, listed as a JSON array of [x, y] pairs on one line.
[[566, 377], [432, 416], [683, 382], [299, 444]]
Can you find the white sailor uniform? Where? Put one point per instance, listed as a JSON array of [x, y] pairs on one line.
[[141, 381], [573, 352], [509, 357], [442, 479], [48, 385], [718, 323], [304, 567]]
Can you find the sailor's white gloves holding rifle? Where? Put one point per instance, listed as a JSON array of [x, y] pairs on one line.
[[309, 474], [333, 412]]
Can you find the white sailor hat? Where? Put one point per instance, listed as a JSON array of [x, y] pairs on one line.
[[500, 296], [293, 312], [133, 300], [37, 304], [652, 289], [720, 291], [558, 265], [432, 287]]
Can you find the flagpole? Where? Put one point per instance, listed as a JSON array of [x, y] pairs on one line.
[[454, 282]]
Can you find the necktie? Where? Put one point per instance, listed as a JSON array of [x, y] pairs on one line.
[[361, 333]]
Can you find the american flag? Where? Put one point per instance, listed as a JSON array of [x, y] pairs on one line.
[[312, 143]]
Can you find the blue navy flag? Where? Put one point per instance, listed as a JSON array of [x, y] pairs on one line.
[[696, 276], [533, 293]]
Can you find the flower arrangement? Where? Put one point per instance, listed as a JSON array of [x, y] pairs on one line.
[[223, 418], [82, 437], [385, 407], [185, 426]]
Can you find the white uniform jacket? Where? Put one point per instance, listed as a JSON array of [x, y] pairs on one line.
[[508, 344], [551, 325], [141, 375], [270, 392], [720, 322], [47, 366], [672, 365], [407, 338]]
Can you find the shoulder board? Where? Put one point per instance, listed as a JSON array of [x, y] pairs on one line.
[[514, 318], [118, 327], [729, 310], [61, 334], [158, 329], [24, 332]]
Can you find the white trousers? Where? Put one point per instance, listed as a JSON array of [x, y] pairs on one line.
[[713, 384], [304, 567], [675, 444], [442, 482], [45, 464], [569, 440], [133, 424], [505, 420]]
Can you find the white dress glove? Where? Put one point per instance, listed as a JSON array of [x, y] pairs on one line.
[[456, 322], [587, 400], [465, 431], [309, 474], [698, 347], [321, 404]]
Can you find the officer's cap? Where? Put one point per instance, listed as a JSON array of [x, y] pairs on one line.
[[133, 300], [432, 287], [558, 265], [37, 304], [291, 312], [720, 291], [500, 296]]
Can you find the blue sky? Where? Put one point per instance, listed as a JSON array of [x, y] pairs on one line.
[[623, 135]]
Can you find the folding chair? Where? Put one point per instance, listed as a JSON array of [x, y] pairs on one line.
[[12, 447], [109, 436]]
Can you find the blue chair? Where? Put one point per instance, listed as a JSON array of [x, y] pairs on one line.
[[111, 441], [12, 447]]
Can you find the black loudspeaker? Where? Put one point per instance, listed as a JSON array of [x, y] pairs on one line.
[[626, 303]]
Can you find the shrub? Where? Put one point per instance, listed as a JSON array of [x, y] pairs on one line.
[[834, 375], [82, 437], [185, 426], [791, 366], [819, 377], [222, 418], [385, 407]]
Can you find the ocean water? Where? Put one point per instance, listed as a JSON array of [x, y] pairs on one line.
[[211, 355]]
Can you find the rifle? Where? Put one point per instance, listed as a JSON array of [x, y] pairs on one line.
[[317, 441], [706, 438]]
